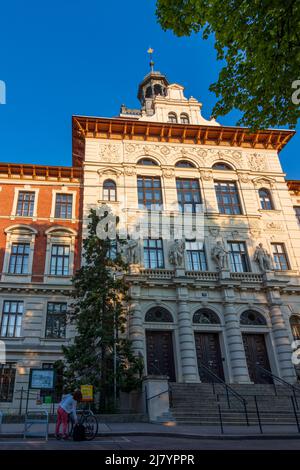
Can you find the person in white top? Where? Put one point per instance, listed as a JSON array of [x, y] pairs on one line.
[[66, 407]]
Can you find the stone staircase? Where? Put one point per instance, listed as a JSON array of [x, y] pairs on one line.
[[197, 404]]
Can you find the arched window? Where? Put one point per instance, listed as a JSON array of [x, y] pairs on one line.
[[295, 326], [205, 316], [147, 162], [221, 166], [184, 164], [158, 314], [184, 119], [148, 93], [158, 89], [265, 199], [250, 317], [172, 118], [109, 190]]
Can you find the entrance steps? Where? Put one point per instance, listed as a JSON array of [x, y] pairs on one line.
[[198, 404]]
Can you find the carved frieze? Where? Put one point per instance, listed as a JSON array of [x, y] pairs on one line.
[[110, 153]]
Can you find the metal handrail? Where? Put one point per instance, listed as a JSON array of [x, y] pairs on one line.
[[279, 379], [224, 384]]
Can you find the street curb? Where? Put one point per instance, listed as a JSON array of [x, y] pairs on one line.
[[239, 437]]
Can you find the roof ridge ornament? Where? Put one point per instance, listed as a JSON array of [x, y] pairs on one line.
[[150, 52]]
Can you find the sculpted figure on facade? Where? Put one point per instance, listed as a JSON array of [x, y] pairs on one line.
[[219, 255], [176, 253], [263, 258], [132, 253]]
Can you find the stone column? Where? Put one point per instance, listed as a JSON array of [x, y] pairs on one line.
[[282, 343], [136, 329], [187, 347], [237, 357]]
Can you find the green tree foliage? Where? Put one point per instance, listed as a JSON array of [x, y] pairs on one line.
[[99, 305], [260, 43]]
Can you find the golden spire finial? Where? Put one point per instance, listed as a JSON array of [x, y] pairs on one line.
[[150, 52]]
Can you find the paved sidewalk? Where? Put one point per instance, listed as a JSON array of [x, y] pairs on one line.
[[189, 431]]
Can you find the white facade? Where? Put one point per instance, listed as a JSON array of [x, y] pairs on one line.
[[182, 291]]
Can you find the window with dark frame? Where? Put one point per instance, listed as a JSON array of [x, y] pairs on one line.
[[63, 206], [25, 204], [19, 257], [149, 192], [228, 198], [238, 257], [297, 212], [153, 253], [60, 258], [265, 199], [196, 258], [188, 195], [7, 381], [184, 164], [222, 166], [147, 162], [172, 118], [280, 257], [109, 191], [11, 321], [56, 320], [184, 119]]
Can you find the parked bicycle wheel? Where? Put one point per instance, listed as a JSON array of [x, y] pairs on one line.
[[91, 426]]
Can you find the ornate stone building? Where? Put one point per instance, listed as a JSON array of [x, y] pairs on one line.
[[223, 300], [225, 297]]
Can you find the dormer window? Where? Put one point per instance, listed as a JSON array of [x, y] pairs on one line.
[[172, 117], [184, 119]]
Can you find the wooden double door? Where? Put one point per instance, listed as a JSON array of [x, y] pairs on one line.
[[256, 354], [160, 354], [209, 354]]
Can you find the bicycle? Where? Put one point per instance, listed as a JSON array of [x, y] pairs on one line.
[[89, 421]]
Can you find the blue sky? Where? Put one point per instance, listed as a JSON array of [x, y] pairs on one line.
[[69, 57]]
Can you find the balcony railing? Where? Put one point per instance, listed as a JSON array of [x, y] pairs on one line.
[[201, 275], [247, 277]]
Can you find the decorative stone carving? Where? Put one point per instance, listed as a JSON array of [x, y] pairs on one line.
[[129, 170], [168, 172], [244, 178], [219, 255], [207, 175], [235, 234], [273, 226], [109, 153], [264, 182], [257, 162], [176, 253], [263, 258], [131, 252], [214, 231]]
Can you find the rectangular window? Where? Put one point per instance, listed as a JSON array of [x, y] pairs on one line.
[[228, 198], [280, 257], [19, 256], [153, 253], [149, 192], [60, 257], [63, 206], [56, 320], [11, 318], [238, 257], [188, 195], [196, 258], [297, 212], [7, 381], [25, 204]]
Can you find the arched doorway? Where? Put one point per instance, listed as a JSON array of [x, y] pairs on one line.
[[159, 344], [208, 345], [255, 346]]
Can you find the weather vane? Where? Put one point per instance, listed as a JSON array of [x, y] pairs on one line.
[[150, 52]]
